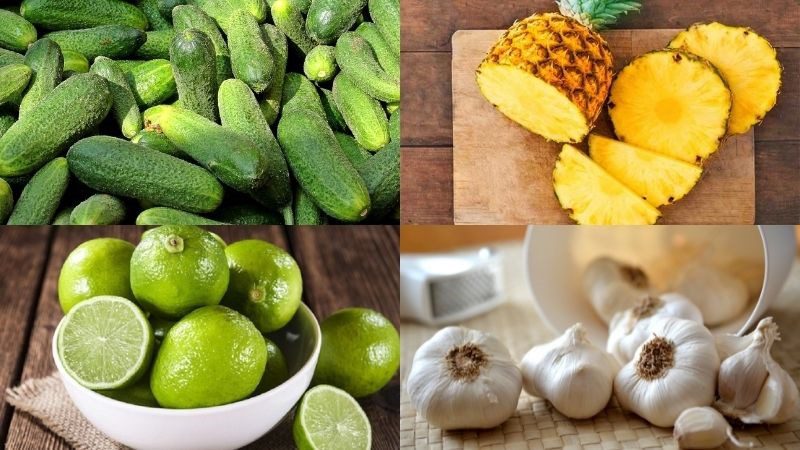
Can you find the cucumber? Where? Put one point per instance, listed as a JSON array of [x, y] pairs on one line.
[[167, 7], [6, 120], [157, 141], [300, 94], [394, 126], [169, 216], [364, 115], [335, 118], [301, 5], [386, 15], [99, 209], [320, 64], [194, 66], [251, 59], [153, 14], [354, 152], [125, 109], [381, 174], [118, 167], [62, 216], [387, 58], [219, 10], [47, 62], [188, 16], [356, 59], [392, 107], [6, 201], [320, 166], [156, 46], [70, 15], [16, 33], [279, 49], [246, 214], [8, 57], [111, 41], [257, 8], [39, 200], [127, 65], [152, 82], [14, 78], [229, 155], [239, 111], [74, 63], [305, 211], [290, 21], [328, 19]]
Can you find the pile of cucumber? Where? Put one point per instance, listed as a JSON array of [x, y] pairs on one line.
[[200, 112]]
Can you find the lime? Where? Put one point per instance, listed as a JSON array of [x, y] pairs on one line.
[[177, 268], [97, 267], [213, 356], [265, 285], [105, 342], [360, 351], [276, 371], [329, 418], [138, 393]]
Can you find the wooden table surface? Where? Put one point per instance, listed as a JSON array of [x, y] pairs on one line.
[[427, 124], [341, 266]]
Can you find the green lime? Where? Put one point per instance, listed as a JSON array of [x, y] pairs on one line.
[[360, 351], [276, 371], [176, 269], [97, 267], [211, 357], [105, 342], [329, 418], [265, 285], [138, 393]]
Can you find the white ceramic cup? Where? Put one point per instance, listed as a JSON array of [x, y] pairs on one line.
[[555, 257], [220, 427]]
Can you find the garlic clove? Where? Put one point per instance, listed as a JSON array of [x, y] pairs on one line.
[[741, 378], [778, 401], [720, 296], [612, 286], [703, 427]]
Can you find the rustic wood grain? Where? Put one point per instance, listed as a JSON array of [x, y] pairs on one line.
[[782, 123], [426, 194], [424, 95], [778, 203]]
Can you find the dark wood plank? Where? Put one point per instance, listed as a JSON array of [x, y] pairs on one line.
[[426, 94], [426, 193], [777, 185]]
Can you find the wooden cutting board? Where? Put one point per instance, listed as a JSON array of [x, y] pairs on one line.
[[502, 173]]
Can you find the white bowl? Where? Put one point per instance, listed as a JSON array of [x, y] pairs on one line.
[[220, 427]]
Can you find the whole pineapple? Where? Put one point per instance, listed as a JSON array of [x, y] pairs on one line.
[[551, 72]]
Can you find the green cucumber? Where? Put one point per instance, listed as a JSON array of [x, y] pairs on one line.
[[167, 7], [279, 49], [62, 216], [320, 64], [127, 65], [152, 82], [328, 19], [99, 209], [391, 107], [381, 174], [251, 59], [6, 201], [70, 15], [14, 78], [301, 5], [16, 33], [300, 94], [111, 41], [354, 152], [387, 58], [6, 120], [47, 62], [194, 66], [290, 21], [156, 46], [335, 118], [153, 14], [157, 141], [257, 8], [118, 167], [356, 59], [386, 15], [125, 109], [169, 216], [229, 155], [246, 214], [394, 126], [239, 111], [8, 57], [320, 166], [74, 63], [364, 115], [219, 10], [188, 16], [39, 200], [305, 211]]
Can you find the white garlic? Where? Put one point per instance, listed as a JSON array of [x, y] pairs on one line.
[[675, 369], [462, 378], [612, 286], [752, 386], [720, 296], [571, 373], [629, 329], [704, 427]]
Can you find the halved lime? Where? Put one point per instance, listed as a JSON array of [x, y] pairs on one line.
[[105, 342], [328, 418]]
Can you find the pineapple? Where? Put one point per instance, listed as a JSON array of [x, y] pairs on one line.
[[551, 72], [657, 178], [593, 196], [747, 62], [671, 102]]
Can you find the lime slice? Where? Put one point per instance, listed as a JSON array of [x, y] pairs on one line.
[[105, 342], [328, 418]]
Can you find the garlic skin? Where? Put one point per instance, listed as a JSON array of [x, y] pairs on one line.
[[613, 287], [629, 329], [704, 427], [675, 369], [720, 296], [571, 373], [462, 378]]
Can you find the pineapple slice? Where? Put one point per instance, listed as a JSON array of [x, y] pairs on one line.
[[657, 178], [595, 197], [671, 102], [748, 63]]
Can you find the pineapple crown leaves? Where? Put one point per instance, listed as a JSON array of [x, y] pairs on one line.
[[597, 14]]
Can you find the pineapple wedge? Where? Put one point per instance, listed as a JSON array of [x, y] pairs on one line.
[[594, 197], [657, 178], [746, 60], [671, 102]]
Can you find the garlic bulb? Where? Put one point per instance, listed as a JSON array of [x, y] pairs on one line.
[[704, 427], [463, 378], [612, 286], [574, 375], [720, 296], [675, 369], [629, 329], [752, 386]]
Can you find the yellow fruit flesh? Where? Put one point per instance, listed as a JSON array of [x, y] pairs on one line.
[[747, 62], [595, 197], [657, 178]]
